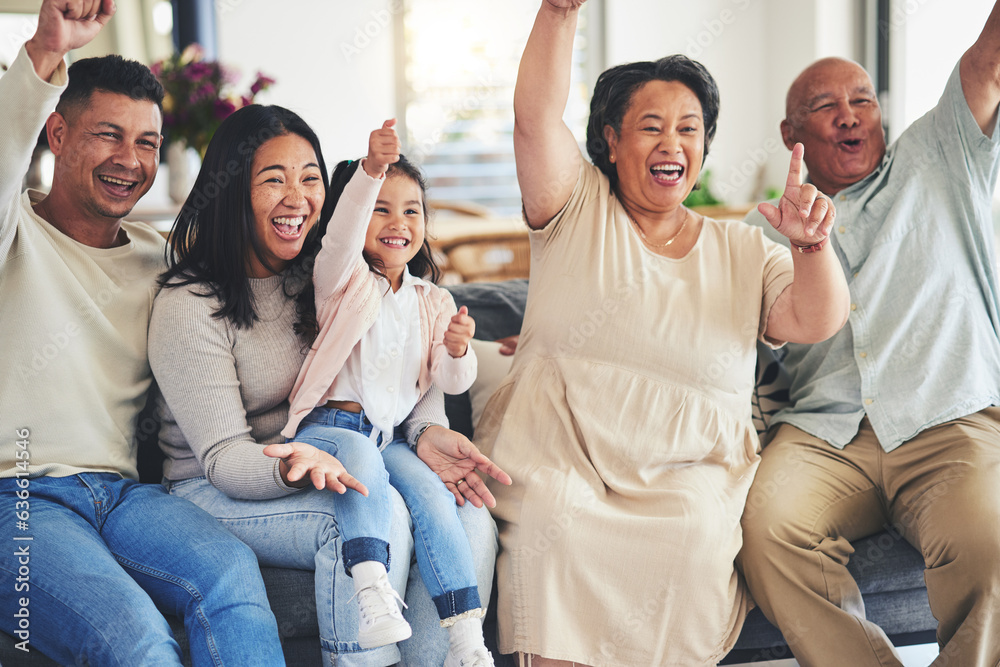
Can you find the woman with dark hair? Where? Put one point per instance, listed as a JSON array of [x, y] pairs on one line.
[[225, 353], [625, 420]]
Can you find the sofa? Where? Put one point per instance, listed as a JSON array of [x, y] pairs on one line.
[[888, 570]]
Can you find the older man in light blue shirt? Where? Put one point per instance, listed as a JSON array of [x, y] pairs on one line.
[[892, 419]]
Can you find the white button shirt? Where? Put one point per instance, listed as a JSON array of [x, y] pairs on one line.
[[382, 372]]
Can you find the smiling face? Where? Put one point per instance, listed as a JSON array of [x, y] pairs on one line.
[[833, 110], [107, 152], [396, 230], [287, 193], [659, 151]]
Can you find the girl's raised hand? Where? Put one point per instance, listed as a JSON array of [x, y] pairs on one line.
[[459, 333], [383, 149]]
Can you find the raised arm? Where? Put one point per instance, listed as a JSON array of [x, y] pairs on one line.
[[30, 90], [345, 234], [64, 25], [815, 305], [980, 71], [547, 156]]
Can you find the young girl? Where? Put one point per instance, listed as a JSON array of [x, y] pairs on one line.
[[385, 335]]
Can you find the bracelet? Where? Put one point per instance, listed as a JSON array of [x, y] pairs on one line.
[[812, 247], [420, 431]]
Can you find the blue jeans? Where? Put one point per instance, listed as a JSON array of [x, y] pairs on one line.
[[300, 531], [442, 550], [105, 552]]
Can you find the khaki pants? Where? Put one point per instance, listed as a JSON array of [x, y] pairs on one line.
[[940, 491]]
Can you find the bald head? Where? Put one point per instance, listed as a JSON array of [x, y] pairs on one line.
[[813, 83]]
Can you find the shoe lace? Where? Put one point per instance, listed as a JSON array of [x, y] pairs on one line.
[[379, 599]]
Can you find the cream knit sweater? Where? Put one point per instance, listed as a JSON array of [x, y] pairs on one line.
[[73, 318]]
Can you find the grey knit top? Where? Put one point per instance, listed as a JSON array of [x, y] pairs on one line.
[[223, 390]]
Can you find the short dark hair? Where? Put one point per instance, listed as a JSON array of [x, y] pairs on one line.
[[613, 95], [111, 74], [214, 234], [422, 265]]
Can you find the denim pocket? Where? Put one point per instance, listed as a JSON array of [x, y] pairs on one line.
[[170, 486]]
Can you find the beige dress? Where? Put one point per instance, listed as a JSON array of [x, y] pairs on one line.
[[625, 424]]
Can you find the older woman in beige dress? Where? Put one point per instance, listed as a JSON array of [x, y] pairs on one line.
[[625, 421]]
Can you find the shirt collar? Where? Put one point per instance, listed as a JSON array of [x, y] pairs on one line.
[[409, 280], [855, 188]]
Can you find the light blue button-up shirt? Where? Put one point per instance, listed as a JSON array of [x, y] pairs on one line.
[[915, 240]]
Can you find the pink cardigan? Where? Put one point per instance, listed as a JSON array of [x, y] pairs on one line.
[[348, 297]]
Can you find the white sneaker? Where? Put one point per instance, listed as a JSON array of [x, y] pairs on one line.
[[380, 622], [474, 657]]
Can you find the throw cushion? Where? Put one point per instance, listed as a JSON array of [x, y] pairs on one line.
[[493, 368], [770, 393]]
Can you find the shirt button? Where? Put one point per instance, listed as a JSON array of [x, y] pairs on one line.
[[390, 389], [868, 401], [841, 229], [855, 274], [854, 306], [843, 197], [863, 355]]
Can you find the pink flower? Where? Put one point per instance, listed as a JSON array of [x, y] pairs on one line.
[[227, 75], [223, 108], [192, 53], [261, 83], [203, 92], [199, 70], [200, 94]]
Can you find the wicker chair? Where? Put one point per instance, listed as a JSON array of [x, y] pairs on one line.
[[489, 256]]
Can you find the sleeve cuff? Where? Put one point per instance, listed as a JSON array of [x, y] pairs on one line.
[[456, 374]]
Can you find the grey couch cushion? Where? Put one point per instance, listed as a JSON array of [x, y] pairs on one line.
[[498, 308]]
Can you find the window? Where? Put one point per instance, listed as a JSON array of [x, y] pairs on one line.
[[456, 89]]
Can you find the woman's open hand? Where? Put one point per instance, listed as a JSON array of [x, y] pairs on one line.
[[383, 149], [455, 460], [804, 214], [302, 464]]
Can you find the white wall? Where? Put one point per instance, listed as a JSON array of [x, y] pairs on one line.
[[333, 61], [927, 37]]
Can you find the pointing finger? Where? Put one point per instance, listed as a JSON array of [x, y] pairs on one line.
[[351, 482], [795, 168]]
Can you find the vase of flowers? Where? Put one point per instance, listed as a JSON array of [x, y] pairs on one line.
[[198, 95]]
